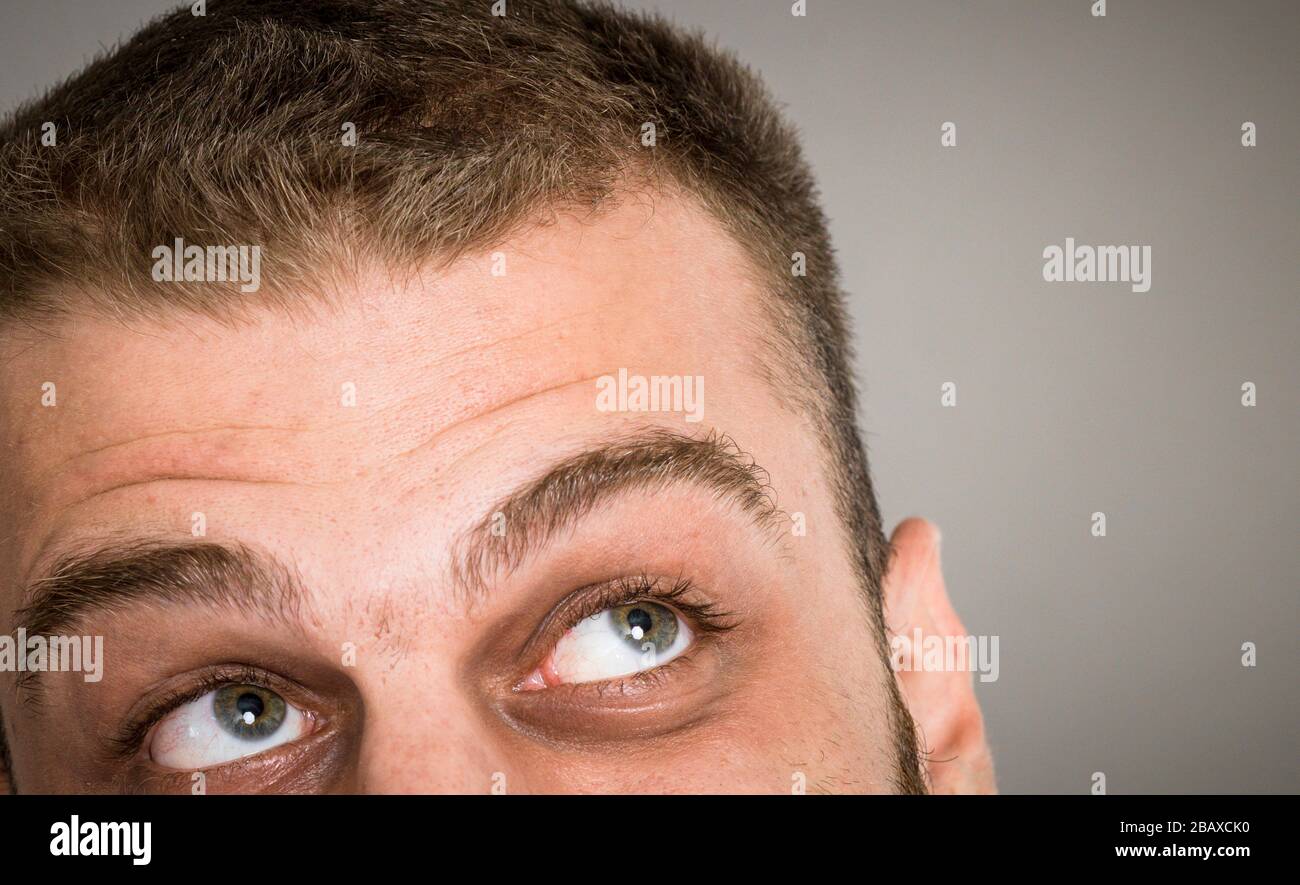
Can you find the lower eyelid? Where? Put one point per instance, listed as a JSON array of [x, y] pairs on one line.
[[298, 766], [653, 677], [685, 693], [630, 686]]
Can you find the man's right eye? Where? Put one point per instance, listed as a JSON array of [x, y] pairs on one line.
[[231, 722]]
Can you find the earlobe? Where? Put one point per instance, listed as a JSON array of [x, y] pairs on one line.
[[941, 698]]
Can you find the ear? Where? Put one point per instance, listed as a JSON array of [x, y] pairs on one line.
[[942, 703]]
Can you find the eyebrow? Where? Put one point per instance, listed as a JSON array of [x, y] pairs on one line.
[[119, 575], [529, 518], [115, 575]]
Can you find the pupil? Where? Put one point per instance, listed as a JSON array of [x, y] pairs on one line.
[[250, 703], [639, 618]]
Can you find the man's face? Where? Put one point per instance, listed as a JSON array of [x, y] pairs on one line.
[[451, 596]]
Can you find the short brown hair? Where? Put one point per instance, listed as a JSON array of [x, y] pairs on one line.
[[226, 128]]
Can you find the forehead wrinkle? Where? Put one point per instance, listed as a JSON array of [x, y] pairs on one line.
[[119, 466], [650, 459], [166, 434], [35, 548], [444, 431], [195, 462]]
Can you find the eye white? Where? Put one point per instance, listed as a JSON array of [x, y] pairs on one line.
[[191, 738], [595, 651]]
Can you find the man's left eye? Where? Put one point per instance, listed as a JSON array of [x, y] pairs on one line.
[[228, 723], [615, 642]]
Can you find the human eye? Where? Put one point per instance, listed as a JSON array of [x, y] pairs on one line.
[[228, 721], [629, 627]]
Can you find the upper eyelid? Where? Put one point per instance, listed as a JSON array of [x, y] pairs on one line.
[[590, 599], [595, 598], [130, 739], [628, 591]]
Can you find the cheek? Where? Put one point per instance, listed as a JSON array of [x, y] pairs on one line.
[[825, 710], [829, 741], [722, 761]]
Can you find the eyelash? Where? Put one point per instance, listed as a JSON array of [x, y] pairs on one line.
[[706, 619], [642, 588], [131, 739]]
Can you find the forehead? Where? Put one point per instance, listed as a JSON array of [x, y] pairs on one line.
[[503, 348]]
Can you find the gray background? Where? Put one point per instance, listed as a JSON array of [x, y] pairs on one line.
[[1118, 654]]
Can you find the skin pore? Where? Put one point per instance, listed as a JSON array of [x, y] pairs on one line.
[[357, 452]]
